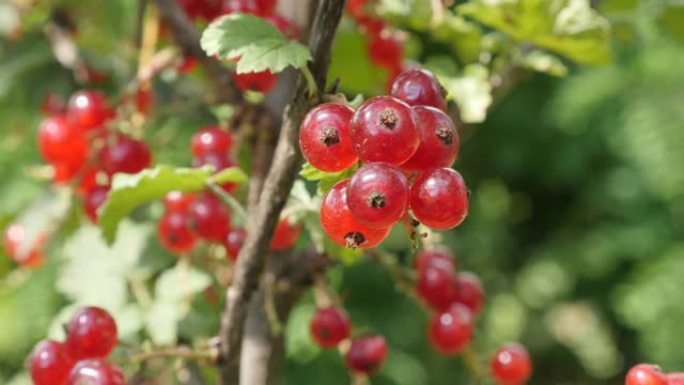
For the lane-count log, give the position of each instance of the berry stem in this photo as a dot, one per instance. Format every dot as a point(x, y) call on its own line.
point(311, 86)
point(239, 212)
point(404, 278)
point(473, 363)
point(274, 322)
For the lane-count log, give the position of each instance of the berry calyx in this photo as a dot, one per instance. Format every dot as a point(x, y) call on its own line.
point(377, 195)
point(175, 233)
point(125, 155)
point(438, 256)
point(439, 198)
point(419, 87)
point(209, 218)
point(366, 354)
point(285, 235)
point(50, 363)
point(96, 372)
point(511, 365)
point(330, 326)
point(89, 109)
point(324, 137)
point(450, 331)
point(436, 286)
point(439, 141)
point(91, 333)
point(93, 199)
point(645, 374)
point(234, 240)
point(255, 81)
point(211, 140)
point(469, 291)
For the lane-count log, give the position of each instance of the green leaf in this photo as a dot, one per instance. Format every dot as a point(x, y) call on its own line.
point(325, 179)
point(181, 283)
point(161, 322)
point(255, 43)
point(543, 62)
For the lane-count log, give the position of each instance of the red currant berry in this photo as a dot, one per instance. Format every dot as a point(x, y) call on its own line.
point(178, 201)
point(96, 372)
point(438, 256)
point(125, 155)
point(377, 195)
point(511, 365)
point(91, 333)
point(24, 255)
point(341, 225)
point(385, 129)
point(211, 139)
point(645, 374)
point(419, 87)
point(436, 286)
point(439, 198)
point(219, 161)
point(285, 235)
point(450, 331)
point(366, 354)
point(255, 81)
point(265, 7)
point(286, 26)
point(53, 104)
point(234, 240)
point(192, 8)
point(209, 218)
point(675, 379)
point(385, 49)
point(330, 326)
point(324, 137)
point(89, 109)
point(50, 363)
point(469, 291)
point(93, 199)
point(373, 26)
point(174, 232)
point(61, 141)
point(439, 142)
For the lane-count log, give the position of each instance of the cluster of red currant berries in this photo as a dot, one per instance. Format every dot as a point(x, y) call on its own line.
point(91, 335)
point(647, 374)
point(407, 144)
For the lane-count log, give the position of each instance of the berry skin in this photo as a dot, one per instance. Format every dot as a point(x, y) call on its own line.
point(255, 81)
point(175, 233)
point(285, 235)
point(469, 291)
point(324, 137)
point(511, 365)
point(377, 195)
point(91, 333)
point(15, 235)
point(341, 225)
point(645, 374)
point(177, 201)
point(366, 354)
point(210, 139)
point(330, 326)
point(50, 363)
point(439, 198)
point(385, 129)
point(60, 141)
point(88, 109)
point(125, 155)
point(419, 87)
point(209, 218)
point(450, 331)
point(234, 240)
point(96, 372)
point(436, 285)
point(93, 199)
point(438, 256)
point(675, 379)
point(385, 49)
point(439, 141)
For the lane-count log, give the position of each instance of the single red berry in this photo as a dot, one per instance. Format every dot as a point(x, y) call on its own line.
point(255, 81)
point(341, 225)
point(93, 199)
point(675, 379)
point(211, 139)
point(451, 330)
point(469, 291)
point(211, 9)
point(178, 201)
point(385, 129)
point(436, 286)
point(96, 372)
point(175, 233)
point(419, 87)
point(234, 240)
point(89, 109)
point(60, 141)
point(285, 235)
point(438, 256)
point(645, 374)
point(330, 326)
point(377, 195)
point(511, 365)
point(287, 27)
point(91, 333)
point(209, 218)
point(439, 141)
point(125, 155)
point(25, 255)
point(439, 198)
point(324, 137)
point(385, 49)
point(53, 104)
point(50, 363)
point(366, 353)
point(219, 161)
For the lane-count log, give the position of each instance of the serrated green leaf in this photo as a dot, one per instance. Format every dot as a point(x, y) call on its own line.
point(325, 179)
point(255, 43)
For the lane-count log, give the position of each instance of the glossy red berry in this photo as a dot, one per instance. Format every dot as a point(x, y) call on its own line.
point(451, 330)
point(366, 353)
point(324, 137)
point(436, 286)
point(61, 141)
point(219, 161)
point(287, 27)
point(24, 255)
point(91, 333)
point(330, 326)
point(385, 129)
point(234, 240)
point(439, 141)
point(511, 365)
point(178, 201)
point(675, 379)
point(96, 372)
point(209, 218)
point(285, 235)
point(50, 363)
point(439, 198)
point(211, 139)
point(89, 109)
point(93, 199)
point(255, 81)
point(645, 374)
point(419, 87)
point(438, 256)
point(377, 195)
point(469, 291)
point(385, 49)
point(125, 155)
point(341, 225)
point(175, 233)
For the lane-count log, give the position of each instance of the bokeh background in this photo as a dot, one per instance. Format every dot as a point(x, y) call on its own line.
point(576, 225)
